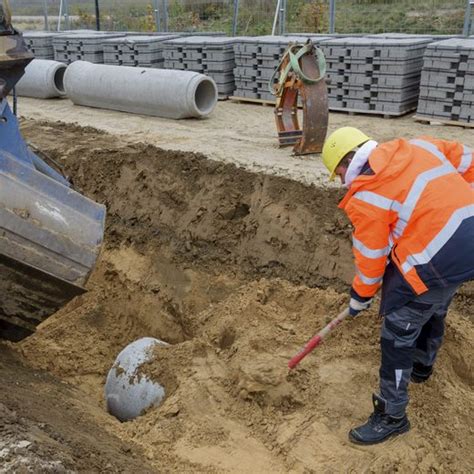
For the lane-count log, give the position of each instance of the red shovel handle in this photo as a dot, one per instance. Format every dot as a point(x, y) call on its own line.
point(316, 340)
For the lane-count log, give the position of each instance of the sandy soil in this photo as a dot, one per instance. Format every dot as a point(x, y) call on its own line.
point(236, 133)
point(235, 270)
point(49, 427)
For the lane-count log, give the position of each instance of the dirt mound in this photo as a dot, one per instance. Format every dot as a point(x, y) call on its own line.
point(230, 384)
point(47, 426)
point(207, 211)
point(223, 264)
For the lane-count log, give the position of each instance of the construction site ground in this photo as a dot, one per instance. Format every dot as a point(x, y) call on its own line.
point(235, 253)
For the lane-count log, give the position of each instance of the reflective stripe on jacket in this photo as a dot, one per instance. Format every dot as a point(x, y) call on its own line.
point(417, 208)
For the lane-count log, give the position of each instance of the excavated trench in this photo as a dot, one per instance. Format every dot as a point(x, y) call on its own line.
point(236, 271)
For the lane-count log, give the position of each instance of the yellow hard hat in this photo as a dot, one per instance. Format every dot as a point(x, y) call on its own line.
point(339, 144)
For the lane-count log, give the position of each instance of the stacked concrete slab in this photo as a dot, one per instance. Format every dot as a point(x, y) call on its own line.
point(40, 43)
point(256, 59)
point(191, 33)
point(81, 46)
point(447, 81)
point(394, 36)
point(374, 74)
point(144, 51)
point(213, 56)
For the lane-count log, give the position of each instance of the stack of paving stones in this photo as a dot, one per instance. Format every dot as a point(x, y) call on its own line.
point(326, 35)
point(408, 36)
point(142, 50)
point(40, 43)
point(371, 74)
point(256, 59)
point(447, 81)
point(81, 47)
point(190, 33)
point(213, 56)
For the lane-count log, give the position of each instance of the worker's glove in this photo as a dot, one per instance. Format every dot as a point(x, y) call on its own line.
point(356, 306)
point(358, 303)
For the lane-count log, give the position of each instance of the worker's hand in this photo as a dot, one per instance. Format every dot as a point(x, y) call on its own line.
point(356, 306)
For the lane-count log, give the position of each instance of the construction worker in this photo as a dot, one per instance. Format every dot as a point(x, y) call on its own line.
point(411, 203)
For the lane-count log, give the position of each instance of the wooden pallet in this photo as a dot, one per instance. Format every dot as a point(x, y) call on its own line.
point(437, 121)
point(378, 113)
point(248, 100)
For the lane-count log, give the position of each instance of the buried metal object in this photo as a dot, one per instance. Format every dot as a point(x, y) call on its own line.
point(128, 393)
point(302, 73)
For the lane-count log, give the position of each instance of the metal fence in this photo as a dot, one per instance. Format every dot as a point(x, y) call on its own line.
point(252, 17)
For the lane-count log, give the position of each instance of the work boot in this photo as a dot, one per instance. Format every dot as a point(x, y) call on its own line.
point(421, 373)
point(379, 426)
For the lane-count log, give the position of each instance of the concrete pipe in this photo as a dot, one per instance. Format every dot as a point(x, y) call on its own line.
point(129, 393)
point(43, 79)
point(157, 92)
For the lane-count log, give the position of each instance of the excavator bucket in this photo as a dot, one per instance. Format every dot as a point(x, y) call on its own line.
point(302, 78)
point(50, 236)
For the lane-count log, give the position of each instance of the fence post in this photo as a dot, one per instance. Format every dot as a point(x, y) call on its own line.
point(165, 15)
point(97, 15)
point(66, 15)
point(332, 16)
point(275, 19)
point(282, 17)
point(60, 15)
point(235, 19)
point(467, 18)
point(156, 13)
point(45, 10)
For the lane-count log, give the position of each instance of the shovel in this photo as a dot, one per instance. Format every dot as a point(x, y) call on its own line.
point(317, 339)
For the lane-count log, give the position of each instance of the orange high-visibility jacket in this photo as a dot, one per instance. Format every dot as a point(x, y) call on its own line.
point(413, 205)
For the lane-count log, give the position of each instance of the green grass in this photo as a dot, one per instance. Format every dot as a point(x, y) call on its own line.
point(256, 16)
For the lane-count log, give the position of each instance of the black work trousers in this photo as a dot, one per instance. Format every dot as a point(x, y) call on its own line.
point(413, 333)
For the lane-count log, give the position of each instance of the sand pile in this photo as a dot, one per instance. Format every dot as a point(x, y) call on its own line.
point(230, 393)
point(233, 405)
point(237, 271)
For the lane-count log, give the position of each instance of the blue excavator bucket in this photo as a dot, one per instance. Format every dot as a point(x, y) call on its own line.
point(50, 235)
